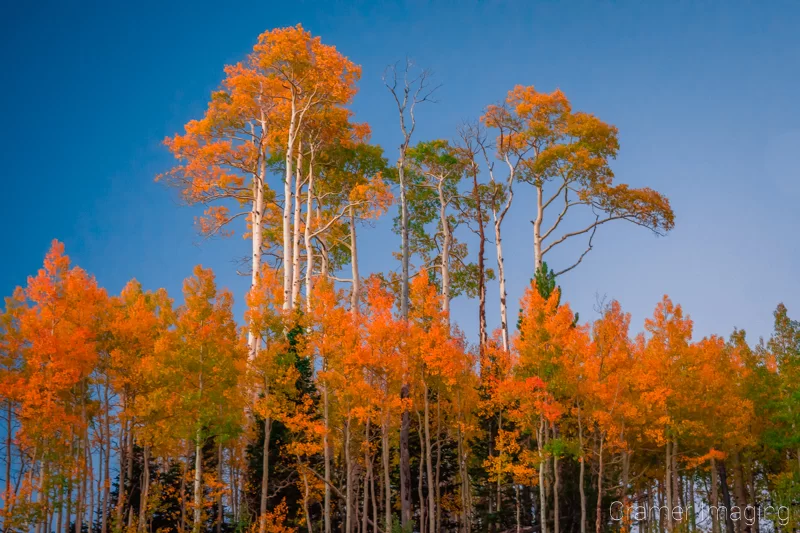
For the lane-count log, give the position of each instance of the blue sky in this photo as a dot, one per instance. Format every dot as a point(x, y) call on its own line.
point(704, 95)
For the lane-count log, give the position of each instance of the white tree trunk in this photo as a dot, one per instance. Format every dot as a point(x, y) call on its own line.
point(348, 467)
point(287, 211)
point(429, 467)
point(327, 453)
point(537, 230)
point(446, 238)
point(366, 477)
point(542, 491)
point(714, 497)
point(501, 278)
point(257, 213)
point(556, 487)
point(307, 235)
point(599, 510)
point(298, 186)
point(355, 295)
point(145, 490)
point(198, 482)
point(387, 489)
point(668, 485)
point(582, 474)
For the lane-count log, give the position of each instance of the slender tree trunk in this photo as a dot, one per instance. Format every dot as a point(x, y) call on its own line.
point(106, 460)
point(677, 493)
point(501, 278)
point(582, 474)
point(690, 508)
point(198, 462)
point(327, 455)
point(89, 460)
point(324, 253)
point(446, 238)
point(68, 510)
point(184, 474)
point(368, 466)
point(59, 507)
point(9, 440)
point(497, 487)
point(753, 494)
point(256, 219)
point(437, 480)
point(738, 486)
point(651, 500)
point(668, 484)
point(498, 216)
point(307, 234)
point(348, 467)
point(429, 465)
point(537, 230)
point(423, 509)
point(556, 487)
point(726, 497)
point(374, 499)
point(714, 497)
point(600, 465)
point(262, 523)
point(232, 472)
point(198, 482)
point(355, 295)
point(387, 490)
point(626, 467)
point(542, 491)
point(405, 462)
point(405, 457)
point(129, 456)
point(298, 188)
point(220, 502)
point(405, 252)
point(306, 495)
point(288, 253)
point(44, 496)
point(122, 469)
point(482, 336)
point(463, 475)
point(145, 489)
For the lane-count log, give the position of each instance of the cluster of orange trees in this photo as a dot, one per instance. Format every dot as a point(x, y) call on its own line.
point(353, 403)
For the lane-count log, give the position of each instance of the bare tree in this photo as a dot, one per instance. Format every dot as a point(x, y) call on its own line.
point(408, 90)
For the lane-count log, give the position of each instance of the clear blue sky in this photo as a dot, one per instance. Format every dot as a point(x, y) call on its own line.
point(704, 95)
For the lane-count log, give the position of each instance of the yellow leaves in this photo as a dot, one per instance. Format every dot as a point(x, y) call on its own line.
point(290, 77)
point(430, 345)
point(60, 319)
point(644, 206)
point(511, 460)
point(304, 66)
point(264, 312)
point(275, 520)
point(214, 220)
point(307, 429)
point(373, 197)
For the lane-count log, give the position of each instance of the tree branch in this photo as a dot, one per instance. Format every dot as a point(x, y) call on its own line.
point(578, 262)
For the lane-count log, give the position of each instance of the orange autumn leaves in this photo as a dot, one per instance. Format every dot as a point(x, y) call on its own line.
point(63, 306)
point(175, 372)
point(290, 79)
point(642, 390)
